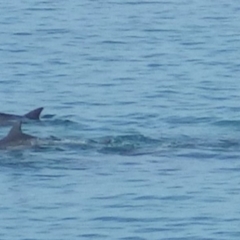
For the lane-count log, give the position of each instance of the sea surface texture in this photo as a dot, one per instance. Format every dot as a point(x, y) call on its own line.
point(139, 138)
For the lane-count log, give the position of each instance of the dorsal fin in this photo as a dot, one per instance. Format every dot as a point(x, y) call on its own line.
point(34, 114)
point(16, 130)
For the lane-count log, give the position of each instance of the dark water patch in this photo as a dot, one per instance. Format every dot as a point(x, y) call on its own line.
point(124, 79)
point(115, 197)
point(153, 230)
point(155, 65)
point(22, 34)
point(176, 198)
point(227, 123)
point(124, 206)
point(127, 219)
point(142, 3)
point(218, 18)
point(155, 55)
point(43, 9)
point(188, 238)
point(227, 144)
point(18, 51)
point(121, 150)
point(202, 220)
point(113, 42)
point(54, 31)
point(20, 74)
point(13, 161)
point(228, 234)
point(187, 120)
point(133, 238)
point(147, 198)
point(198, 155)
point(92, 236)
point(159, 30)
point(58, 61)
point(139, 180)
point(192, 43)
point(229, 170)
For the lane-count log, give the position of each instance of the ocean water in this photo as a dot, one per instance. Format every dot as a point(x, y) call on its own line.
point(140, 133)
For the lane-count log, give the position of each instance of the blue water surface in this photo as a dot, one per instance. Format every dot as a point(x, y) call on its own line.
point(140, 133)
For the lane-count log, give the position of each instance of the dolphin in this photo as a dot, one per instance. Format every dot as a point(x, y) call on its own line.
point(16, 137)
point(33, 115)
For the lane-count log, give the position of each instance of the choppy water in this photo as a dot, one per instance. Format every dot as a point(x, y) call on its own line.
point(141, 122)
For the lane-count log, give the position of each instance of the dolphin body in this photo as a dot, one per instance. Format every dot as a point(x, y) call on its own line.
point(16, 137)
point(6, 118)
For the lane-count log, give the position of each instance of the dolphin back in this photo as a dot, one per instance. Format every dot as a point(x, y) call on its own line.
point(34, 114)
point(15, 136)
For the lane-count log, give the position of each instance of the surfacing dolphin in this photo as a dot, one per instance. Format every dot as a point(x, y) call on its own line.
point(5, 118)
point(16, 137)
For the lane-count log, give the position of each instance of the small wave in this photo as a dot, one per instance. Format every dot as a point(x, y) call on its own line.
point(122, 145)
point(130, 139)
point(48, 116)
point(228, 123)
point(50, 120)
point(125, 144)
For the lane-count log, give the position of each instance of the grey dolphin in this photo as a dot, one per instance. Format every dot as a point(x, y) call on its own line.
point(33, 115)
point(16, 137)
